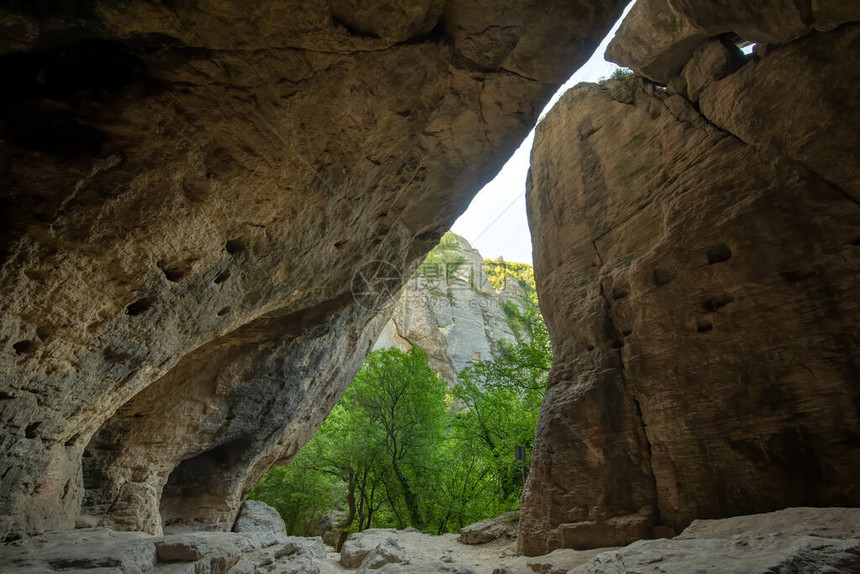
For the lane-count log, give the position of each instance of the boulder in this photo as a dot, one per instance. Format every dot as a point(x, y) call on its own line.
point(257, 516)
point(658, 37)
point(491, 529)
point(696, 268)
point(191, 553)
point(712, 60)
point(360, 544)
point(833, 523)
point(790, 540)
point(386, 552)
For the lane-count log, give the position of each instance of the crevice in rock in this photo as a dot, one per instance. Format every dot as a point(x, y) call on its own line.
point(717, 301)
point(223, 276)
point(23, 347)
point(140, 306)
point(719, 254)
point(770, 150)
point(631, 390)
point(704, 326)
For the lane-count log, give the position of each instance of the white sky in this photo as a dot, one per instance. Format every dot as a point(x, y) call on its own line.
point(495, 223)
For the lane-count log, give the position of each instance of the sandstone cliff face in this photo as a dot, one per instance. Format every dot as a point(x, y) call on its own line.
point(454, 315)
point(188, 190)
point(697, 261)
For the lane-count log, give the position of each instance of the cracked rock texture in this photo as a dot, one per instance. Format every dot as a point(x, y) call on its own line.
point(187, 190)
point(659, 36)
point(803, 540)
point(259, 544)
point(697, 267)
point(457, 317)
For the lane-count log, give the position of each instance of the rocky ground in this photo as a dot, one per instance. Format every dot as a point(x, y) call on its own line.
point(795, 540)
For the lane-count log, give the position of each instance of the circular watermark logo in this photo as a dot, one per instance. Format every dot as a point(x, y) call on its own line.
point(376, 284)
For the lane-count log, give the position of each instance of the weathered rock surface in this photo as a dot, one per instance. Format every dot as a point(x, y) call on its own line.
point(774, 542)
point(503, 526)
point(188, 190)
point(658, 37)
point(359, 545)
point(433, 567)
point(697, 270)
point(411, 551)
point(455, 315)
point(835, 523)
point(386, 552)
point(556, 562)
point(802, 540)
point(257, 516)
point(263, 548)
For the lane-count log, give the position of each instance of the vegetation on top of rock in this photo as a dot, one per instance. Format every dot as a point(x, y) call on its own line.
point(498, 269)
point(617, 75)
point(443, 260)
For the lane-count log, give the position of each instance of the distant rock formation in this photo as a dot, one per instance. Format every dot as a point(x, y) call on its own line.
point(452, 311)
point(697, 251)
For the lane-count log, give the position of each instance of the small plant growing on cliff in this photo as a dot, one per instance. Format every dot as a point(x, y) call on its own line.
point(619, 75)
point(443, 260)
point(620, 86)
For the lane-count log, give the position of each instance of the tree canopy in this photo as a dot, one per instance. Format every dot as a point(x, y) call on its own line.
point(402, 449)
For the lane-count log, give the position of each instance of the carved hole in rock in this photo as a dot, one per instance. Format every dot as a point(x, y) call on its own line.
point(223, 276)
point(616, 344)
point(620, 292)
point(718, 301)
point(30, 431)
point(23, 347)
point(234, 246)
point(140, 306)
point(719, 253)
point(171, 273)
point(223, 311)
point(589, 347)
point(662, 277)
point(627, 332)
point(704, 325)
point(72, 441)
point(340, 244)
point(796, 275)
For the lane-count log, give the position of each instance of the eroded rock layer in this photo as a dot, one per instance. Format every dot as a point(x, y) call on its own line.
point(697, 260)
point(453, 312)
point(188, 190)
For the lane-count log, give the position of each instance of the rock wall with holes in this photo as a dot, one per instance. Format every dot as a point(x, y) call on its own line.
point(697, 255)
point(187, 190)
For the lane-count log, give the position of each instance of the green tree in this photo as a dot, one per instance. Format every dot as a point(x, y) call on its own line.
point(392, 453)
point(406, 399)
point(502, 399)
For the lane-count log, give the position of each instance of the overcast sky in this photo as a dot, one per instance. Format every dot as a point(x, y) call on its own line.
point(495, 223)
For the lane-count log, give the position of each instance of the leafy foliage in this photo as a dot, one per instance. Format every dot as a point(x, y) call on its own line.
point(399, 450)
point(498, 270)
point(443, 260)
point(621, 74)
